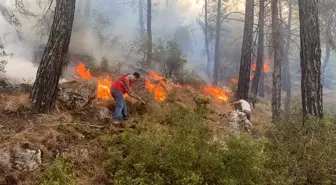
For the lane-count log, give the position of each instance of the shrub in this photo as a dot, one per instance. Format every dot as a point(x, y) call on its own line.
point(59, 172)
point(180, 150)
point(302, 153)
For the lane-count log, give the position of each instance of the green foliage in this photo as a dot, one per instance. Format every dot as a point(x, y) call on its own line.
point(170, 58)
point(302, 153)
point(244, 160)
point(201, 105)
point(59, 172)
point(179, 149)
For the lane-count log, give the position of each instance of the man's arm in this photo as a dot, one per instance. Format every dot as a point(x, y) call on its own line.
point(126, 82)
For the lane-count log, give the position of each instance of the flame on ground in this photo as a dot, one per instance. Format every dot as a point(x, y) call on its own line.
point(103, 84)
point(156, 85)
point(82, 72)
point(177, 85)
point(216, 93)
point(103, 88)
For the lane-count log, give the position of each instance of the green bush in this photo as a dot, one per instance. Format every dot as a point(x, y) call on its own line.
point(59, 172)
point(180, 150)
point(302, 153)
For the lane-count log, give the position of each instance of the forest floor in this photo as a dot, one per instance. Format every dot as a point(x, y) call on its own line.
point(78, 134)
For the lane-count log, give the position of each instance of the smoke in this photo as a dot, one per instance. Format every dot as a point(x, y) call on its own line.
point(106, 31)
point(19, 65)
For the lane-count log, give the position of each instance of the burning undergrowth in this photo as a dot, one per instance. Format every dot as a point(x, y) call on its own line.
point(88, 94)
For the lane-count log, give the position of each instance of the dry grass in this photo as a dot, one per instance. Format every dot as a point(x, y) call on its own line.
point(13, 103)
point(64, 129)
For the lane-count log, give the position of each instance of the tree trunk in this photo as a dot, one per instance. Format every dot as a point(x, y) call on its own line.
point(206, 37)
point(325, 62)
point(246, 54)
point(260, 54)
point(141, 19)
point(286, 70)
point(44, 91)
point(149, 33)
point(262, 84)
point(218, 25)
point(276, 90)
point(311, 86)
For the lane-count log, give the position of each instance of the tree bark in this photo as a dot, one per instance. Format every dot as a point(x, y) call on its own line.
point(206, 25)
point(218, 25)
point(149, 34)
point(44, 91)
point(325, 62)
point(260, 54)
point(262, 84)
point(276, 90)
point(311, 86)
point(246, 54)
point(141, 19)
point(286, 70)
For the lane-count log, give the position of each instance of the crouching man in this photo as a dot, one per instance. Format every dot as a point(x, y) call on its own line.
point(246, 108)
point(118, 89)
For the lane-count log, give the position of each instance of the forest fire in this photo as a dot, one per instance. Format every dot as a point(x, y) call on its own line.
point(103, 84)
point(266, 67)
point(216, 93)
point(156, 85)
point(103, 88)
point(234, 80)
point(82, 72)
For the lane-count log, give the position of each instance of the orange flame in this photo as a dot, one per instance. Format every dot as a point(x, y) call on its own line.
point(177, 85)
point(103, 84)
point(103, 88)
point(216, 93)
point(266, 67)
point(156, 85)
point(82, 71)
point(234, 80)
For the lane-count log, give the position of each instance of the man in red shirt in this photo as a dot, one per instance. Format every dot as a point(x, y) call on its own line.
point(118, 89)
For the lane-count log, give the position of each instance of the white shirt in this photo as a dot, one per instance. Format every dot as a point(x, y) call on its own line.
point(245, 105)
point(130, 77)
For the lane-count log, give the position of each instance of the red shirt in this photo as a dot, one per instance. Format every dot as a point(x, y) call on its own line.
point(119, 84)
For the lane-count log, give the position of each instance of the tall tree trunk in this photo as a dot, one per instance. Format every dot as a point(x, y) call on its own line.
point(286, 70)
point(218, 25)
point(149, 33)
point(206, 25)
point(246, 54)
point(311, 86)
point(141, 19)
point(325, 62)
point(260, 54)
point(44, 91)
point(262, 84)
point(276, 90)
